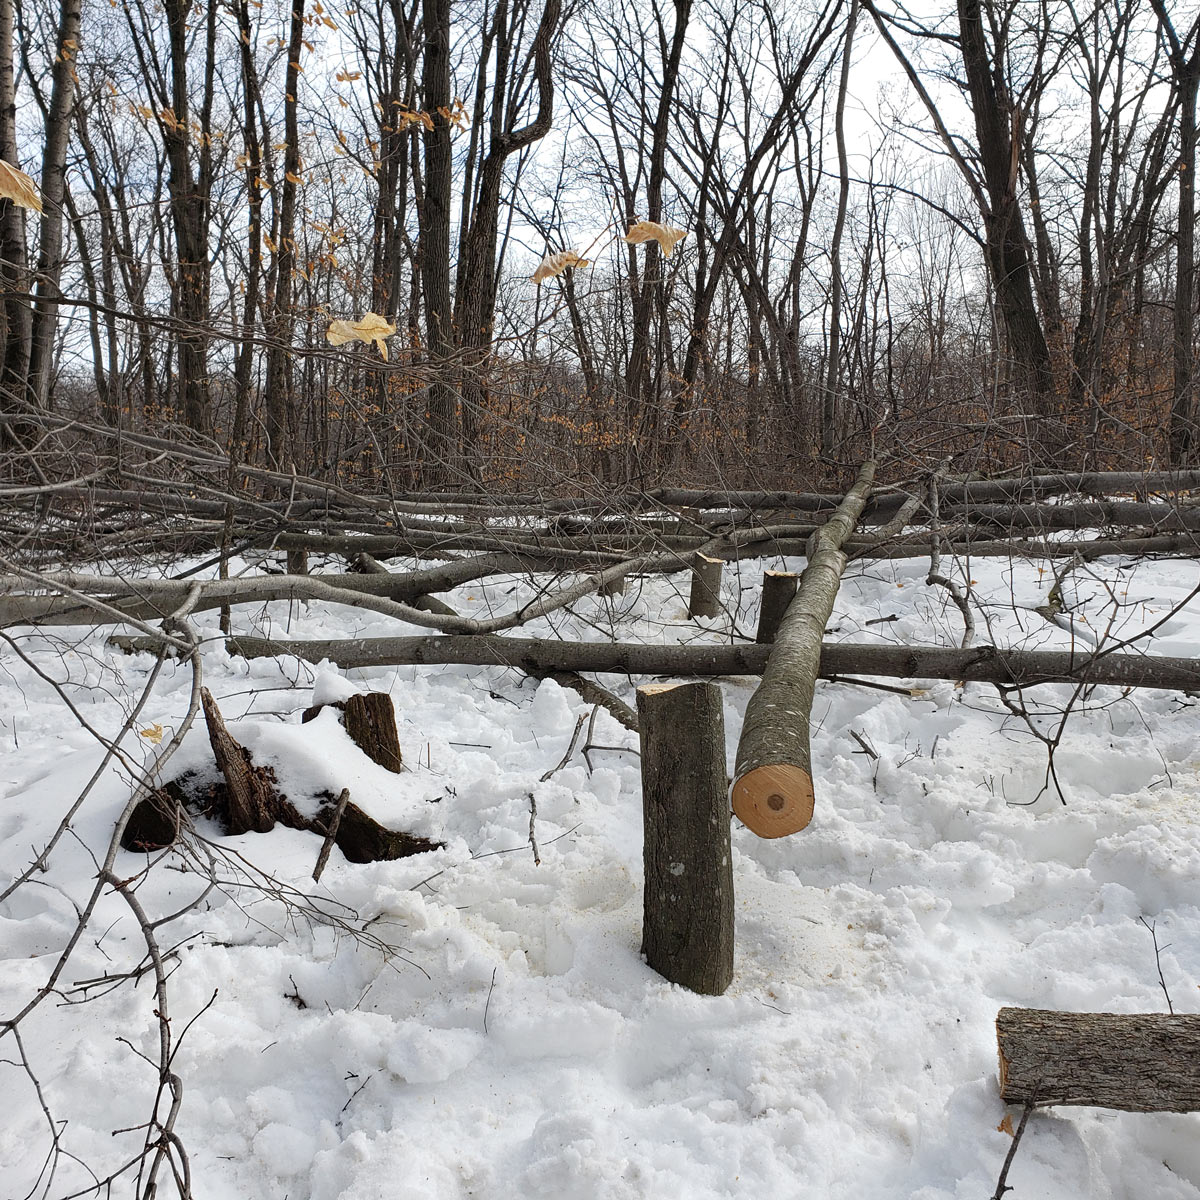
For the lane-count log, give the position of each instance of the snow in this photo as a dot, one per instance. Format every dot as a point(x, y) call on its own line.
point(466, 1023)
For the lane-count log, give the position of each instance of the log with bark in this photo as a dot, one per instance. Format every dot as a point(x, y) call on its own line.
point(772, 780)
point(838, 660)
point(1142, 1062)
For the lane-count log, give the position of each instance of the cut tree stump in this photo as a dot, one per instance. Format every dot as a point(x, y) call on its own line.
point(705, 599)
point(773, 788)
point(1145, 1062)
point(687, 929)
point(370, 720)
point(778, 589)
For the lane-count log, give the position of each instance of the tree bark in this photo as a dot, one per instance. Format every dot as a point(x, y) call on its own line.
point(979, 664)
point(54, 180)
point(705, 597)
point(1145, 1062)
point(687, 930)
point(370, 721)
point(773, 788)
point(778, 590)
point(253, 799)
point(14, 261)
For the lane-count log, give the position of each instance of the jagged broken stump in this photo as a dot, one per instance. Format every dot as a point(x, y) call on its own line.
point(247, 796)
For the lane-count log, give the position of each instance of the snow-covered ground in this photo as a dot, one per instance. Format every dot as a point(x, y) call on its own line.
point(466, 1023)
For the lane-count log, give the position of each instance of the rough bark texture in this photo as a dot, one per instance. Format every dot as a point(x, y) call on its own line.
point(772, 789)
point(705, 599)
point(370, 721)
point(687, 932)
point(253, 799)
point(779, 587)
point(980, 664)
point(371, 724)
point(248, 799)
point(1147, 1062)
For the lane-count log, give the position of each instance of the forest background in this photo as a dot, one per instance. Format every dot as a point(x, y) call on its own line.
point(963, 235)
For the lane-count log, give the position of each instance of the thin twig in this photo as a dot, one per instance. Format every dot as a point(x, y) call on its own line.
point(327, 844)
point(1001, 1185)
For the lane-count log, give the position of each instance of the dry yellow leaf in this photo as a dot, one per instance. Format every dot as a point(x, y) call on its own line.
point(372, 328)
point(665, 235)
point(556, 264)
point(16, 186)
point(292, 178)
point(152, 733)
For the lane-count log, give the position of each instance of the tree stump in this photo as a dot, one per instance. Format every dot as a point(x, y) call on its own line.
point(248, 799)
point(370, 720)
point(777, 591)
point(705, 599)
point(687, 929)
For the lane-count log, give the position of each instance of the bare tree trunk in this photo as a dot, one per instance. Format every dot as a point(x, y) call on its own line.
point(833, 368)
point(280, 407)
point(54, 171)
point(14, 263)
point(999, 132)
point(442, 441)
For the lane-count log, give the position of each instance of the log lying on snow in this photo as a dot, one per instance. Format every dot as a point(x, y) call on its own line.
point(1145, 1062)
point(839, 660)
point(772, 780)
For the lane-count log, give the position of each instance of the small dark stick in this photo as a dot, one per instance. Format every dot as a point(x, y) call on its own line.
point(537, 857)
point(1001, 1185)
point(327, 844)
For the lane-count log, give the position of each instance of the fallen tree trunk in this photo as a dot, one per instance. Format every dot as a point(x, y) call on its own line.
point(839, 660)
point(772, 780)
point(1145, 1062)
point(1095, 514)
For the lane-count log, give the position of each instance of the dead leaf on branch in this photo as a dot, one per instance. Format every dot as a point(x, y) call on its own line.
point(372, 328)
point(16, 186)
point(555, 264)
point(651, 231)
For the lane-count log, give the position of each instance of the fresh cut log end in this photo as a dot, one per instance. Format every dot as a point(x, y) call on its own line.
point(775, 800)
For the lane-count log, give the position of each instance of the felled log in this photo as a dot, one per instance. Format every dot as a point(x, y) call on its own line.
point(687, 926)
point(1145, 1062)
point(1094, 514)
point(978, 664)
point(772, 780)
